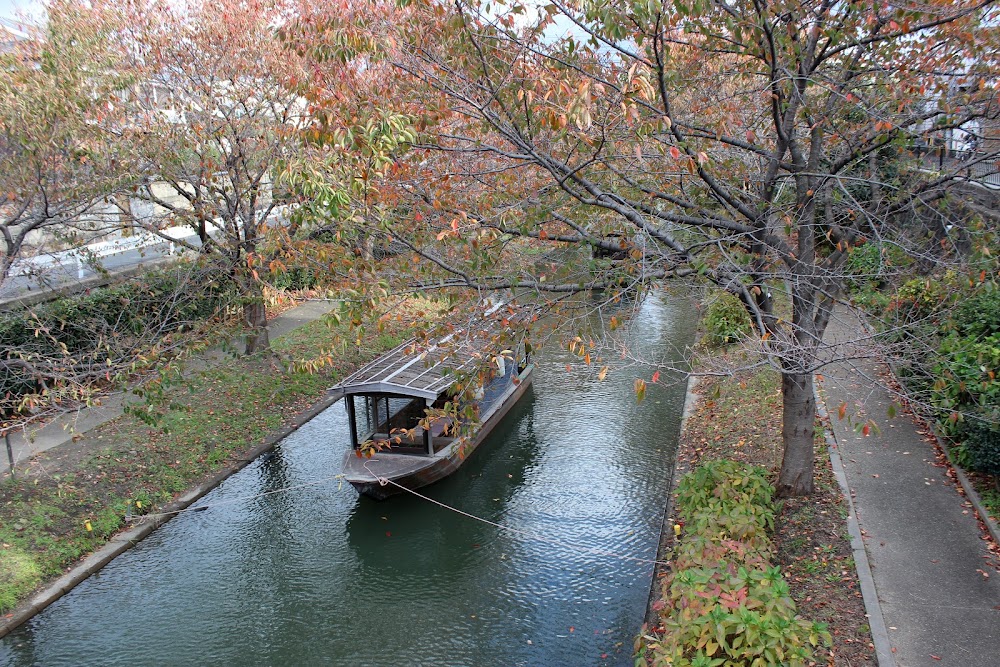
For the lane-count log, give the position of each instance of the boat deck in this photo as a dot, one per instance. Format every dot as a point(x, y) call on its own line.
point(384, 464)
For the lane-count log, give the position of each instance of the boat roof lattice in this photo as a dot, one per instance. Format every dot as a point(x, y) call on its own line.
point(414, 370)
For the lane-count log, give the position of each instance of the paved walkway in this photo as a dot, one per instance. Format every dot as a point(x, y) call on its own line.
point(63, 429)
point(936, 581)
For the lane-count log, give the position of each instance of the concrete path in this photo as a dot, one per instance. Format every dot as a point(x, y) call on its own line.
point(936, 581)
point(37, 439)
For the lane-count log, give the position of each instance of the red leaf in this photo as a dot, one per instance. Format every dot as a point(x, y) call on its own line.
point(674, 153)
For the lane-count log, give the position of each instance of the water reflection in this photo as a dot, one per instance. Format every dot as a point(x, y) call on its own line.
point(402, 533)
point(317, 575)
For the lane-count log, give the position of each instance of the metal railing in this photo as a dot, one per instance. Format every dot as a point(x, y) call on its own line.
point(84, 256)
point(975, 166)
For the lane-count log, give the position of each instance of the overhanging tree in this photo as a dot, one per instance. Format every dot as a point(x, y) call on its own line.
point(752, 144)
point(59, 98)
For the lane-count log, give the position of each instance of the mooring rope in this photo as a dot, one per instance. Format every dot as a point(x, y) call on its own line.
point(383, 481)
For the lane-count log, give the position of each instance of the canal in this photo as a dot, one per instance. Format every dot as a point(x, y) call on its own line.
point(288, 567)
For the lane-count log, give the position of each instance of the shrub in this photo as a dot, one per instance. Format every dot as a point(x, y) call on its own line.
point(919, 298)
point(982, 446)
point(871, 265)
point(865, 263)
point(978, 315)
point(105, 323)
point(725, 604)
point(294, 278)
point(871, 300)
point(965, 379)
point(726, 321)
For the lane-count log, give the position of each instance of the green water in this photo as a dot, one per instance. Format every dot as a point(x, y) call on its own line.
point(316, 575)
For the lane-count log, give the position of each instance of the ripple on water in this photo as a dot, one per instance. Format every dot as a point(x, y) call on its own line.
point(318, 576)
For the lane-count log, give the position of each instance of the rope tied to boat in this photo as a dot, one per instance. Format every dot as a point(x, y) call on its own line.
point(383, 481)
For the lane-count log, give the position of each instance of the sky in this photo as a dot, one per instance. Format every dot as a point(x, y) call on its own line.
point(12, 9)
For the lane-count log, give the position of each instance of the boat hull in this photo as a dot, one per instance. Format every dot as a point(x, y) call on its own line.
point(388, 474)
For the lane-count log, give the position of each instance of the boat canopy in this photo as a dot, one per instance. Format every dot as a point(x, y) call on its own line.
point(410, 370)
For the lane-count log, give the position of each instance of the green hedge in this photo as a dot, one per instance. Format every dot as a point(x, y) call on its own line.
point(948, 333)
point(69, 338)
point(980, 449)
point(871, 266)
point(725, 605)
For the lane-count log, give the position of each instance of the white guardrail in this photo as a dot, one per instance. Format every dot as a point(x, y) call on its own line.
point(80, 258)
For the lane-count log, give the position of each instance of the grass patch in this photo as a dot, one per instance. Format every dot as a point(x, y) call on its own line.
point(991, 499)
point(18, 570)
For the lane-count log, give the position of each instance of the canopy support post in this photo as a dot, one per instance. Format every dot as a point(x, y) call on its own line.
point(352, 421)
point(428, 438)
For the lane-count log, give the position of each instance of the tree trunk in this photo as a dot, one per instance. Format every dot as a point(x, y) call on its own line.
point(255, 317)
point(798, 433)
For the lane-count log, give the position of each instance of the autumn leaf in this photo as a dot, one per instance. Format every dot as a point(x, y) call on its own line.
point(640, 389)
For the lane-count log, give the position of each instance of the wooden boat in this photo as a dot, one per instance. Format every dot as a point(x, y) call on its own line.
point(409, 428)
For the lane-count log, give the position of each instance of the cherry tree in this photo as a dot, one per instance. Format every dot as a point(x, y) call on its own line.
point(753, 146)
point(58, 90)
point(210, 121)
point(233, 136)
